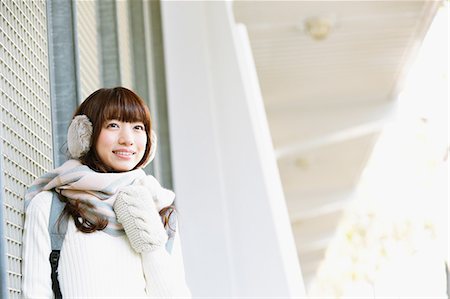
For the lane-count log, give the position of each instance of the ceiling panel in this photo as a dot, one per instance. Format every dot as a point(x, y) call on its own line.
point(364, 52)
point(327, 99)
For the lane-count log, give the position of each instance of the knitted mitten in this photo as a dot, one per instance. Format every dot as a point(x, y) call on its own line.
point(136, 211)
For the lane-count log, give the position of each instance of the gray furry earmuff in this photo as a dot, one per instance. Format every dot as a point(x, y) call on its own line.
point(154, 141)
point(79, 138)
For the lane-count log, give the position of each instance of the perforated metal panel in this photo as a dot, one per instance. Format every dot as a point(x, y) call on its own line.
point(25, 133)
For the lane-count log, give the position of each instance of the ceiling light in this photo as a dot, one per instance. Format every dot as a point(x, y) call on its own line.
point(318, 27)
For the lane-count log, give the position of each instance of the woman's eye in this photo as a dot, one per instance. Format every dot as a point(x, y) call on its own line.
point(139, 127)
point(112, 125)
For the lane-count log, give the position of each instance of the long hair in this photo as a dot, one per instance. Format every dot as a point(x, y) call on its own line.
point(102, 105)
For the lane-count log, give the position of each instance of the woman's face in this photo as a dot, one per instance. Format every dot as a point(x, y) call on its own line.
point(121, 145)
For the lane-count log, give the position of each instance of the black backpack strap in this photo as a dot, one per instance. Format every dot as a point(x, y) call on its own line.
point(57, 231)
point(54, 259)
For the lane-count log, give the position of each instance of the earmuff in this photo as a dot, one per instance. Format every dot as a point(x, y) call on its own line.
point(79, 136)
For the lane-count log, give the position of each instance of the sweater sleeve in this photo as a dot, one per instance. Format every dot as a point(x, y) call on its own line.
point(164, 272)
point(36, 270)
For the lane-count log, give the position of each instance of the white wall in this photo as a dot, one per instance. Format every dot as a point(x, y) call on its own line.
point(235, 230)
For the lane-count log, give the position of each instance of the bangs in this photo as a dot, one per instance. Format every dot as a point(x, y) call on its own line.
point(126, 107)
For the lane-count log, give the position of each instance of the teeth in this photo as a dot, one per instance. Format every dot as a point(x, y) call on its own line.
point(124, 153)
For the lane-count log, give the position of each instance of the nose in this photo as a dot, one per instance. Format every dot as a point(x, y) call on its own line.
point(126, 136)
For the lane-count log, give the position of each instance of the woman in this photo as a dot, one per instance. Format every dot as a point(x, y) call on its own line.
point(120, 221)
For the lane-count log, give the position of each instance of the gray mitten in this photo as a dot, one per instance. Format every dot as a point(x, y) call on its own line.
point(136, 211)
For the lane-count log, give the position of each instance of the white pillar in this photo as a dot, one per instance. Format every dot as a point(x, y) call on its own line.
point(236, 235)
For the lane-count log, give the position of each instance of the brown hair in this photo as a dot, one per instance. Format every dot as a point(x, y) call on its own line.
point(102, 105)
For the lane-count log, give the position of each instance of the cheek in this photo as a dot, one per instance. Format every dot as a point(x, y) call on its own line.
point(142, 141)
point(104, 141)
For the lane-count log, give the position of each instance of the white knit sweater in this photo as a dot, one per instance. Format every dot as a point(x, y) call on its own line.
point(96, 265)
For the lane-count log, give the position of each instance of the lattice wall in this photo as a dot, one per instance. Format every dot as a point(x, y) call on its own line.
point(25, 123)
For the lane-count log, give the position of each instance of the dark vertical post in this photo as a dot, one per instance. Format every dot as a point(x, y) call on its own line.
point(63, 71)
point(109, 44)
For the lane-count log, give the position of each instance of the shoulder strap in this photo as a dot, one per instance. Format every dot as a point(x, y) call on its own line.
point(171, 230)
point(57, 231)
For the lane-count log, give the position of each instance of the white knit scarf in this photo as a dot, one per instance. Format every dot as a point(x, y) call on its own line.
point(76, 181)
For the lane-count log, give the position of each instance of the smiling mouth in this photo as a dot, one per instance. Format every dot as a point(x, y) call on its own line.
point(123, 153)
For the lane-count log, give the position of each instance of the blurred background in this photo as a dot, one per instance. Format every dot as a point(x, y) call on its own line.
point(307, 141)
point(356, 95)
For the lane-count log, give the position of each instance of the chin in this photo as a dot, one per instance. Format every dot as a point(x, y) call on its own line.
point(123, 168)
